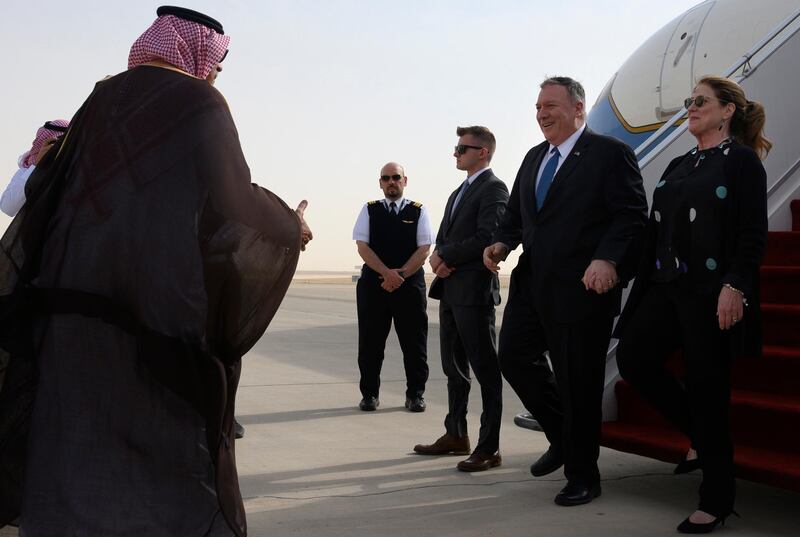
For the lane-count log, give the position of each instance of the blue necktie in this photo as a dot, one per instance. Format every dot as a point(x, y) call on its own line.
point(547, 178)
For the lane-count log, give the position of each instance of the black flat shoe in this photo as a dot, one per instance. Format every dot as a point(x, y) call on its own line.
point(688, 526)
point(686, 466)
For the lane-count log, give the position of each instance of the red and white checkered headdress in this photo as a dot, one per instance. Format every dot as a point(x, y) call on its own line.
point(51, 129)
point(188, 45)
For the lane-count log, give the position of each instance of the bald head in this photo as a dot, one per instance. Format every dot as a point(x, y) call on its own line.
point(391, 168)
point(392, 180)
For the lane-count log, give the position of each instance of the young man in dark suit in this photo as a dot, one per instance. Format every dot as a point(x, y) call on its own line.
point(468, 294)
point(577, 207)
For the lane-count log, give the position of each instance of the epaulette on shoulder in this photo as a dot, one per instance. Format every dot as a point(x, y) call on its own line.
point(416, 204)
point(373, 202)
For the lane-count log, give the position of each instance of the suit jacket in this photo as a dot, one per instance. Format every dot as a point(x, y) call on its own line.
point(462, 238)
point(595, 209)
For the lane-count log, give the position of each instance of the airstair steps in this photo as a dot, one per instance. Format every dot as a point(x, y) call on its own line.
point(779, 469)
point(765, 391)
point(753, 417)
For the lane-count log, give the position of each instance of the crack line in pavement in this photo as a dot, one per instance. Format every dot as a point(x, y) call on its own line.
point(422, 487)
point(313, 383)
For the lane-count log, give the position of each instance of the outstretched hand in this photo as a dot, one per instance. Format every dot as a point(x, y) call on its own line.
point(305, 231)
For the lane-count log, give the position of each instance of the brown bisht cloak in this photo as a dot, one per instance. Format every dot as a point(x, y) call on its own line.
point(143, 251)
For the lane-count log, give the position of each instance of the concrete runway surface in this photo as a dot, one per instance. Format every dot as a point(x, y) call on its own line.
point(312, 464)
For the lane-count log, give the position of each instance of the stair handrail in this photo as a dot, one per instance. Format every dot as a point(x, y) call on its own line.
point(744, 60)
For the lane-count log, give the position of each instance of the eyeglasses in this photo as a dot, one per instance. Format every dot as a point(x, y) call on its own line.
point(461, 149)
point(224, 56)
point(699, 101)
point(387, 178)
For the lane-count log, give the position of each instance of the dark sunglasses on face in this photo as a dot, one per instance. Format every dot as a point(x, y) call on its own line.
point(699, 101)
point(395, 177)
point(461, 149)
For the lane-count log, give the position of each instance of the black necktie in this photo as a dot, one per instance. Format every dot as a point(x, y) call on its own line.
point(393, 208)
point(460, 195)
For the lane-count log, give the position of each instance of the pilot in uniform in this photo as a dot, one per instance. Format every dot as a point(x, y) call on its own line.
point(393, 236)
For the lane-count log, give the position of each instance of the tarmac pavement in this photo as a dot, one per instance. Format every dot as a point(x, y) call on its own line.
point(313, 464)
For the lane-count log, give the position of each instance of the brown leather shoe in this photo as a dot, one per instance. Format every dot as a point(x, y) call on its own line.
point(478, 462)
point(445, 445)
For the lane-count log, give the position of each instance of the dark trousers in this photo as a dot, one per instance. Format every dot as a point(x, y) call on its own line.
point(377, 308)
point(670, 317)
point(468, 339)
point(567, 400)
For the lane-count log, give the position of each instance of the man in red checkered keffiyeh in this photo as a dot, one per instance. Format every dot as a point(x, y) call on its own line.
point(143, 266)
point(13, 197)
point(50, 130)
point(191, 46)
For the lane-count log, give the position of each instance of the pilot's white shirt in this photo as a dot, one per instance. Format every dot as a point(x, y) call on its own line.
point(424, 235)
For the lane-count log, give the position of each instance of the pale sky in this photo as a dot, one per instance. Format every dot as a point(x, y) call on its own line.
point(324, 92)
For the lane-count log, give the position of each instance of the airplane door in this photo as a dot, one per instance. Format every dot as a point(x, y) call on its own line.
point(677, 71)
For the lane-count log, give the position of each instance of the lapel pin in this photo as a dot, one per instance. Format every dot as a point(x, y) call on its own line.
point(577, 153)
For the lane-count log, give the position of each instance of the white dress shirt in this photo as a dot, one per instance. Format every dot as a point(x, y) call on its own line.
point(564, 150)
point(424, 235)
point(475, 175)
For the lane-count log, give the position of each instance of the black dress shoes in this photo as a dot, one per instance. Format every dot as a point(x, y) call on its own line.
point(368, 404)
point(686, 466)
point(238, 429)
point(417, 404)
point(577, 493)
point(548, 463)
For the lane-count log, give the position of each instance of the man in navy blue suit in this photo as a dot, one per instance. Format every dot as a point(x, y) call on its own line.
point(577, 207)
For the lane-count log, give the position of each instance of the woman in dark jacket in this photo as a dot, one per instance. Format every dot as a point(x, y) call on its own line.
point(697, 285)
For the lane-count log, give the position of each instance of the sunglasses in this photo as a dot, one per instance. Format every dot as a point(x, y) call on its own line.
point(699, 101)
point(461, 149)
point(387, 178)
